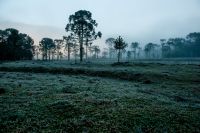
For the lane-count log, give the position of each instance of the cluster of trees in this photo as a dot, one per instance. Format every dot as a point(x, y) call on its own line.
point(15, 45)
point(80, 35)
point(54, 49)
point(81, 32)
point(175, 47)
point(181, 47)
point(171, 48)
point(118, 47)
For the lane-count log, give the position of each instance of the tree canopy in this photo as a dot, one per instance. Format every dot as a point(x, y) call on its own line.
point(120, 44)
point(15, 45)
point(83, 26)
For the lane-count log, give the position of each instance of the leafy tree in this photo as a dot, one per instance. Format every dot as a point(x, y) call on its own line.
point(134, 46)
point(119, 45)
point(25, 51)
point(15, 45)
point(193, 44)
point(110, 42)
point(46, 44)
point(150, 50)
point(177, 47)
point(83, 26)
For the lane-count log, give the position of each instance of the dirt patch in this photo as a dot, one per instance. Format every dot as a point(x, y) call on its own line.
point(179, 99)
point(2, 90)
point(147, 82)
point(69, 89)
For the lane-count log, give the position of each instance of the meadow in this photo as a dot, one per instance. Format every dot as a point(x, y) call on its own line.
point(57, 96)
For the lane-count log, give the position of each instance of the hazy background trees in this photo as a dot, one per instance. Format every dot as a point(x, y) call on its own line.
point(134, 46)
point(111, 42)
point(81, 33)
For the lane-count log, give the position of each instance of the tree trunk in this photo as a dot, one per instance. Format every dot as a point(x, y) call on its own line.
point(81, 45)
point(86, 52)
point(49, 55)
point(81, 52)
point(57, 54)
point(118, 55)
point(68, 52)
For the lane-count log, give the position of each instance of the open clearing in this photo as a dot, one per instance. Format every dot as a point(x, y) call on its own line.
point(59, 97)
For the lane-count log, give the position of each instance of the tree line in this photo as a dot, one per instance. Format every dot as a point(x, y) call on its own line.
point(15, 45)
point(78, 42)
point(168, 48)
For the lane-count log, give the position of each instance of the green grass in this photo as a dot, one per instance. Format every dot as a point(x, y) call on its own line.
point(99, 98)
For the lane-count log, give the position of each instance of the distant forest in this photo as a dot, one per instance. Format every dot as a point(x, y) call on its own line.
point(78, 44)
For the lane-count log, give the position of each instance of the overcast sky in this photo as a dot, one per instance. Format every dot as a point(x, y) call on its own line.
point(136, 20)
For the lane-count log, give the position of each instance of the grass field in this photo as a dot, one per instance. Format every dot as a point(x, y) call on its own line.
point(38, 96)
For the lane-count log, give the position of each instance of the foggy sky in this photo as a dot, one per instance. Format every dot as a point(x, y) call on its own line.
point(136, 20)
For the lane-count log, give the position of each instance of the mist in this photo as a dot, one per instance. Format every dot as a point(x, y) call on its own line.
point(142, 21)
point(106, 66)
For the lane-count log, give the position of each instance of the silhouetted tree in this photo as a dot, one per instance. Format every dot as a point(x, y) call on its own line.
point(46, 44)
point(15, 45)
point(83, 26)
point(177, 47)
point(193, 44)
point(119, 45)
